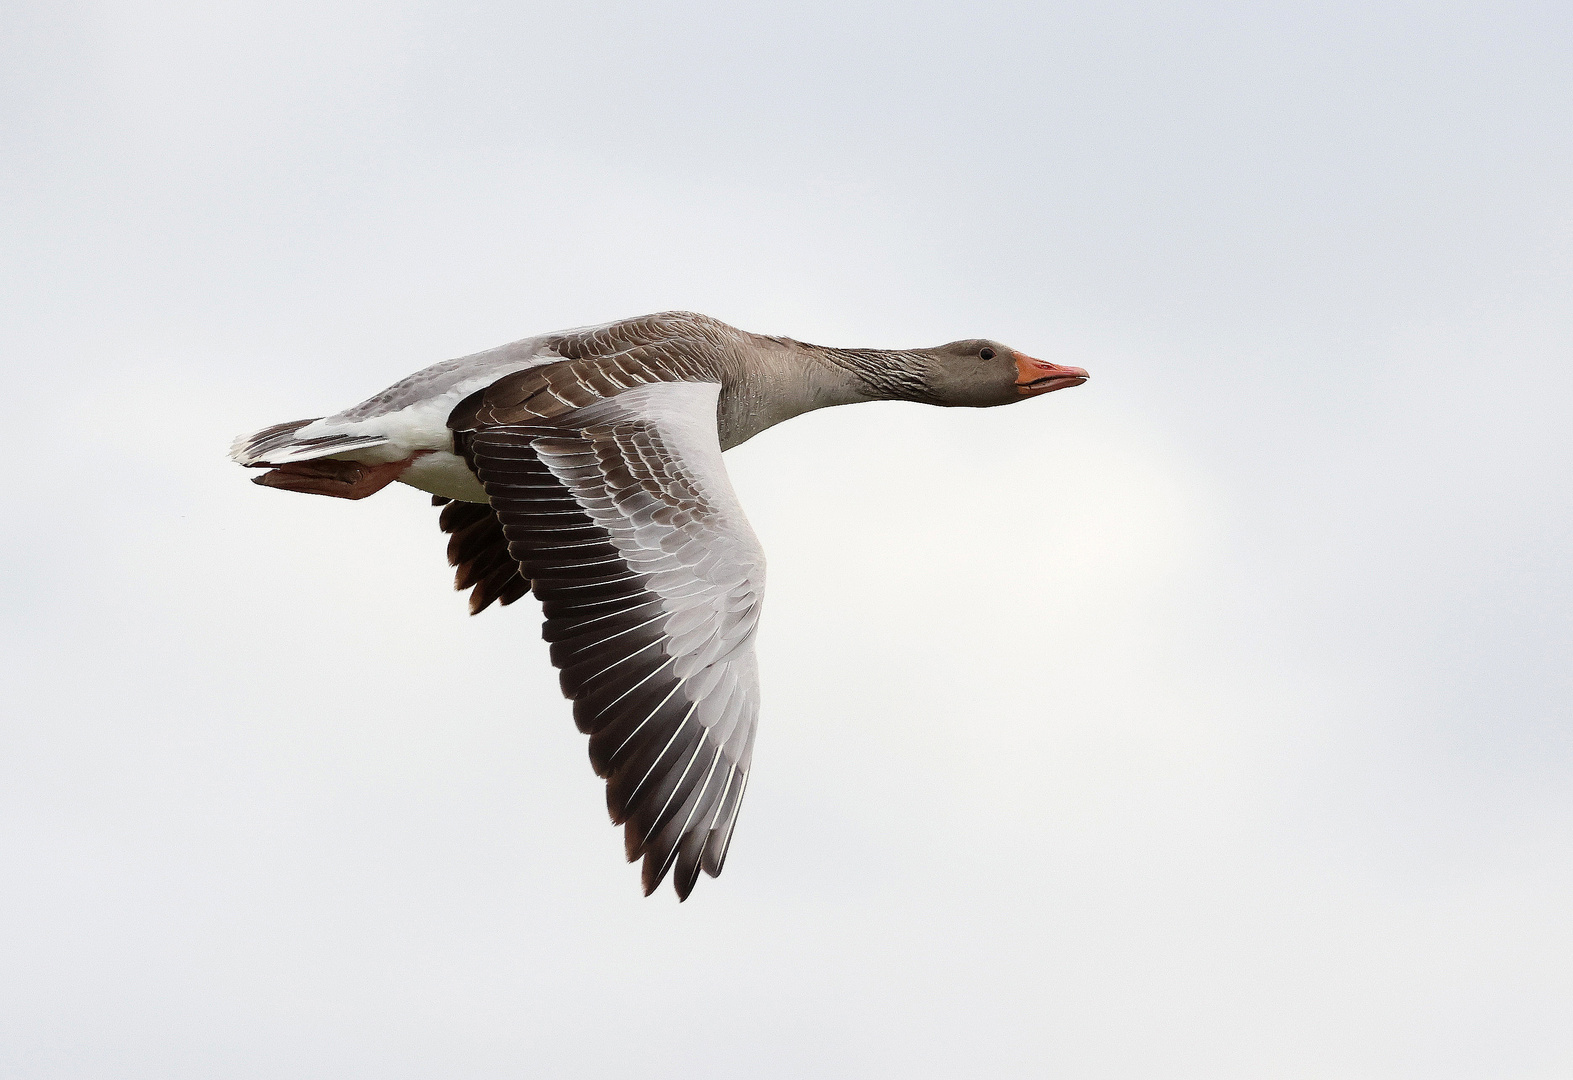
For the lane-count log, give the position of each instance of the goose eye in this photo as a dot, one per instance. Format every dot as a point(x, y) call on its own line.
point(987, 354)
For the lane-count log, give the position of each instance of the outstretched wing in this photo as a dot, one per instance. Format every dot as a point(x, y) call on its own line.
point(620, 515)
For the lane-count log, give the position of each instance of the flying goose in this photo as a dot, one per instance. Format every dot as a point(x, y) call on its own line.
point(585, 466)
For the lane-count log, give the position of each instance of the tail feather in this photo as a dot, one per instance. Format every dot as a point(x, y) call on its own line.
point(277, 445)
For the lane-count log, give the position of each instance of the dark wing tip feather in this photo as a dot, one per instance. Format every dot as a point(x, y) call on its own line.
point(478, 552)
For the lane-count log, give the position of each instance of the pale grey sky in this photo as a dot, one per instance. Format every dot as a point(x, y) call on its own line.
point(1207, 721)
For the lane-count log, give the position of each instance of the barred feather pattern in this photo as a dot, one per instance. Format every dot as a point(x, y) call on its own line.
point(602, 363)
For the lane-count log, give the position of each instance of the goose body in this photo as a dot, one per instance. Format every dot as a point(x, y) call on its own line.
point(585, 466)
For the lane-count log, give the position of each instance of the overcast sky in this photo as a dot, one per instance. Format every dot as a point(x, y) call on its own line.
point(1211, 720)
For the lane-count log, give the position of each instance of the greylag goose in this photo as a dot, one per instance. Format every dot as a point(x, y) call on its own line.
point(585, 467)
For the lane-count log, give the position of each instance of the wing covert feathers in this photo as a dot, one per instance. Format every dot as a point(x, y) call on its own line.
point(620, 516)
point(601, 363)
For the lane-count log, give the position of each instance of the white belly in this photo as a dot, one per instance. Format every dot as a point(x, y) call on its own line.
point(444, 473)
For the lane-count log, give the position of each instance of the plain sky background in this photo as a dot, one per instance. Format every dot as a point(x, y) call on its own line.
point(1209, 721)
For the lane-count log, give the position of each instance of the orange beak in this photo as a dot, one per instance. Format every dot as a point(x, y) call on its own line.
point(1034, 377)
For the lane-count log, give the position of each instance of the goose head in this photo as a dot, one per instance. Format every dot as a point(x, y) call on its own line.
point(979, 373)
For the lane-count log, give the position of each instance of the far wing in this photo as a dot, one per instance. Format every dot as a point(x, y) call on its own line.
point(621, 516)
point(478, 552)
